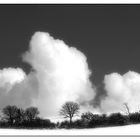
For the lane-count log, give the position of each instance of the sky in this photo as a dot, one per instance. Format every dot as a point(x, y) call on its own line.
point(107, 35)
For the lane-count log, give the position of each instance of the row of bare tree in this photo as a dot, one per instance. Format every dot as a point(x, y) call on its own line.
point(15, 115)
point(29, 118)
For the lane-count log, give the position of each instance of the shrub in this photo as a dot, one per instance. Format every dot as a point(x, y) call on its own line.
point(134, 117)
point(98, 120)
point(117, 119)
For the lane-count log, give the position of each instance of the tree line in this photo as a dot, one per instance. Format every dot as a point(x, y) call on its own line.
point(14, 117)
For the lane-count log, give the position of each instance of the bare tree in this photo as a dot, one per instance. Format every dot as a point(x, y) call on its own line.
point(87, 116)
point(20, 116)
point(69, 110)
point(127, 109)
point(31, 113)
point(10, 113)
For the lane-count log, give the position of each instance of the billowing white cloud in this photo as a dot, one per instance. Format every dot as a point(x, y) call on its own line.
point(11, 76)
point(16, 88)
point(121, 89)
point(62, 73)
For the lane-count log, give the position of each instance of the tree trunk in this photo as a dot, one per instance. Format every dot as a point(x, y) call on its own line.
point(11, 121)
point(70, 121)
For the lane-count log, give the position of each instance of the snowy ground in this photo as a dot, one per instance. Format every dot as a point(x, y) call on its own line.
point(121, 130)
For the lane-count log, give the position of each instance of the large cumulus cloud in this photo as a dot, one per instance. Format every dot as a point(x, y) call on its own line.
point(59, 73)
point(121, 89)
point(16, 88)
point(62, 73)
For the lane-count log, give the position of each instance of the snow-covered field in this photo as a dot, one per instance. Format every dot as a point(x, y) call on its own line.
point(121, 130)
